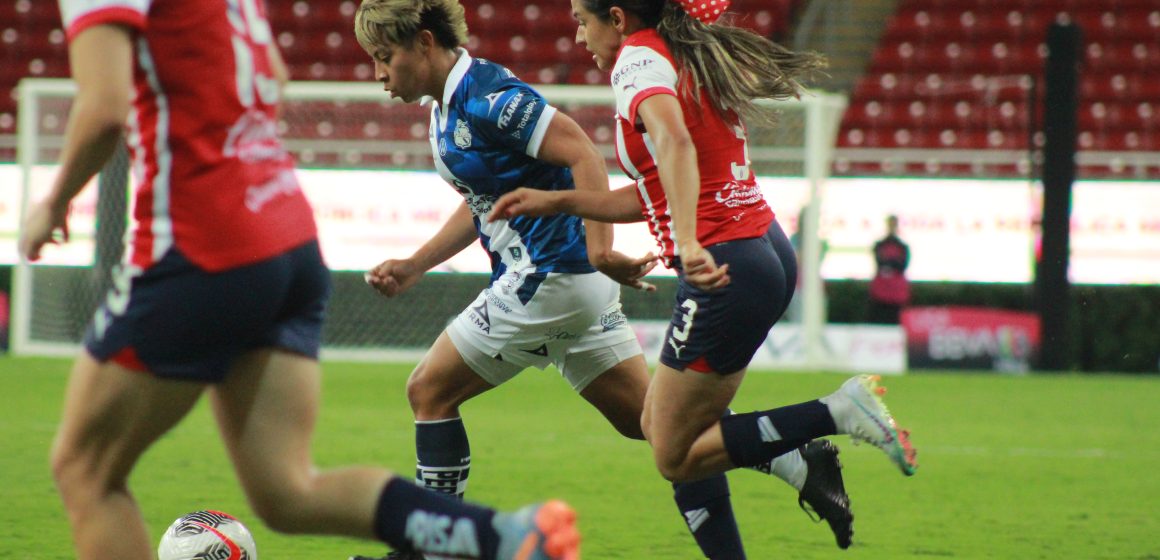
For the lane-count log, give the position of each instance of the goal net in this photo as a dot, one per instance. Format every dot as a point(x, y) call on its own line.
point(366, 165)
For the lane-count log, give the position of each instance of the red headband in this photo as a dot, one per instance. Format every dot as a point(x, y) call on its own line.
point(705, 11)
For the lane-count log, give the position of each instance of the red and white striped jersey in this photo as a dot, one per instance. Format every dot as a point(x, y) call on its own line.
point(212, 176)
point(730, 205)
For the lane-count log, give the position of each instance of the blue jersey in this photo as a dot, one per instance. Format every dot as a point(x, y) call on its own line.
point(485, 134)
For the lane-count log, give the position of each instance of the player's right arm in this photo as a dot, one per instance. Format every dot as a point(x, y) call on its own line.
point(618, 206)
point(101, 60)
point(395, 276)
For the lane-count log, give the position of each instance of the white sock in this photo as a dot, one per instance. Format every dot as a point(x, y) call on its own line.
point(791, 468)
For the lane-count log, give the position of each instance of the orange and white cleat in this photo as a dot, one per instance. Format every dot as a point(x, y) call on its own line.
point(858, 411)
point(538, 532)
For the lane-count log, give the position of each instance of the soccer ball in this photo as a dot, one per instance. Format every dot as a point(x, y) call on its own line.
point(207, 535)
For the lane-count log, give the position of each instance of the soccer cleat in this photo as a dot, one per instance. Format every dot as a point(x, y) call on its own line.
point(858, 410)
point(538, 532)
point(824, 492)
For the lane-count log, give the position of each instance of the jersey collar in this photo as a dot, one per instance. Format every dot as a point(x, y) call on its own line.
point(453, 79)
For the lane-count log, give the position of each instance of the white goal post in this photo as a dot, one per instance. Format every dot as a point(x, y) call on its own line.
point(352, 126)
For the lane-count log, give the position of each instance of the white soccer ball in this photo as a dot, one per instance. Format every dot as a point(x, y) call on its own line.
point(207, 535)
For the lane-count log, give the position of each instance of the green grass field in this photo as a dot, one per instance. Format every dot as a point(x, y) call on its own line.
point(1011, 467)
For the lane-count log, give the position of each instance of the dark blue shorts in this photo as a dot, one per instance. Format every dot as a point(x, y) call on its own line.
point(719, 331)
point(178, 321)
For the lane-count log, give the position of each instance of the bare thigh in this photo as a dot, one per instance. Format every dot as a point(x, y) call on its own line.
point(619, 394)
point(266, 411)
point(682, 411)
point(112, 415)
point(442, 382)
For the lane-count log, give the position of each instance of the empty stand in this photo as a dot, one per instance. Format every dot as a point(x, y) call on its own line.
point(959, 74)
point(963, 74)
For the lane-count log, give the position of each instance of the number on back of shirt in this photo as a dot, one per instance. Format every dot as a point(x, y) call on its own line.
point(251, 30)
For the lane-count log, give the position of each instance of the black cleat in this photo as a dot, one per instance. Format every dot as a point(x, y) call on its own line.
point(824, 492)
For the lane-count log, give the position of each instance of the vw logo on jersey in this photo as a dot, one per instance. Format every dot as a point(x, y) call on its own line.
point(462, 134)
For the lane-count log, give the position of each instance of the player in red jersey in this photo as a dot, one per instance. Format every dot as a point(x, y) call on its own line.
point(223, 291)
point(683, 85)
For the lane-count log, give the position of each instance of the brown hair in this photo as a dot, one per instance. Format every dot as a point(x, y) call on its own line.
point(734, 65)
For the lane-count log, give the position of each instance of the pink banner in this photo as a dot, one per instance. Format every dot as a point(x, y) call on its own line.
point(971, 338)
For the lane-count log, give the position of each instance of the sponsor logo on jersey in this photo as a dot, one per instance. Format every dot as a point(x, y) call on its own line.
point(527, 116)
point(612, 320)
point(479, 204)
point(479, 317)
point(284, 183)
point(442, 534)
point(253, 138)
point(491, 99)
point(734, 194)
point(509, 110)
point(462, 134)
point(496, 302)
point(516, 253)
point(556, 333)
point(442, 147)
point(510, 284)
point(630, 69)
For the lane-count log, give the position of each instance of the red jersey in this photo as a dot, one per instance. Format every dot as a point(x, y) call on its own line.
point(212, 177)
point(730, 205)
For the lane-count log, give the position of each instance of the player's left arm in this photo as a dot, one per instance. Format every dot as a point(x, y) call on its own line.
point(566, 144)
point(676, 158)
point(101, 61)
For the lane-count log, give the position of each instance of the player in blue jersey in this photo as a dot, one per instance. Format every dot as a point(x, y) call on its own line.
point(547, 301)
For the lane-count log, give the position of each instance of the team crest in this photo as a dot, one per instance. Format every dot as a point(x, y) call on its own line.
point(462, 134)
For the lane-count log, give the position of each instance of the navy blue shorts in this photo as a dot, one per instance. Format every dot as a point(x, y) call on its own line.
point(720, 330)
point(178, 321)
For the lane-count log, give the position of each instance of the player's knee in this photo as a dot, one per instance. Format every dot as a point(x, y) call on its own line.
point(279, 521)
point(422, 391)
point(431, 399)
point(645, 424)
point(80, 478)
point(280, 510)
point(671, 471)
point(68, 470)
point(672, 466)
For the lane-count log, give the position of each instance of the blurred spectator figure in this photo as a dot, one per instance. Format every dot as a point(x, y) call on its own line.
point(4, 321)
point(889, 290)
point(794, 312)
